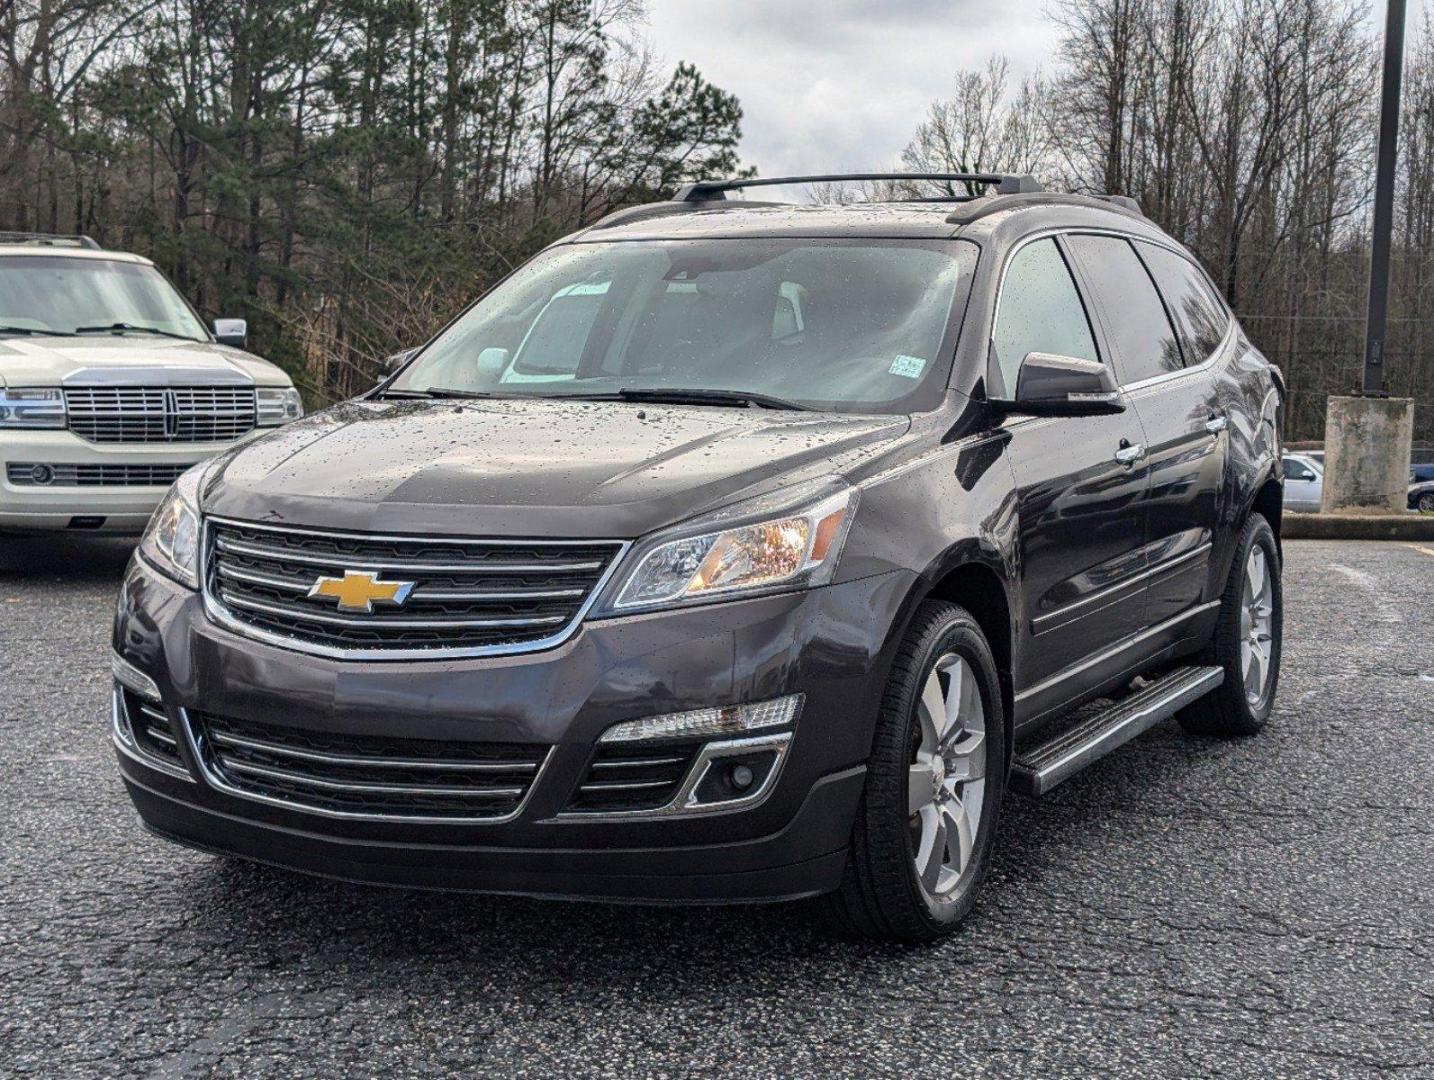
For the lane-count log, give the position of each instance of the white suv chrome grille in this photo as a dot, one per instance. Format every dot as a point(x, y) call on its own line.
point(157, 414)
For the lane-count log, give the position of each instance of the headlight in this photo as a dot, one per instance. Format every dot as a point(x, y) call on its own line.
point(171, 540)
point(776, 552)
point(277, 405)
point(32, 408)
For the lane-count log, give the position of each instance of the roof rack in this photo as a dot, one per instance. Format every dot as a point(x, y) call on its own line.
point(975, 209)
point(716, 190)
point(48, 240)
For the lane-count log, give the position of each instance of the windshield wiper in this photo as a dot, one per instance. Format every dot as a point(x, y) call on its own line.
point(439, 393)
point(29, 331)
point(132, 328)
point(678, 396)
point(742, 399)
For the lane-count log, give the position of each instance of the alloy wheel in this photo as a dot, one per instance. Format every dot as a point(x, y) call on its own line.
point(1256, 623)
point(947, 780)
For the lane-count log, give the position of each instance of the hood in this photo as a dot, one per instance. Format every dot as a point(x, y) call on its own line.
point(529, 468)
point(133, 359)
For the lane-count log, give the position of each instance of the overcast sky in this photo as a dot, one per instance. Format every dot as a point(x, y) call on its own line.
point(830, 85)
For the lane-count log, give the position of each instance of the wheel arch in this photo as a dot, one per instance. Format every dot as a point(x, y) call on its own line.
point(975, 580)
point(1269, 501)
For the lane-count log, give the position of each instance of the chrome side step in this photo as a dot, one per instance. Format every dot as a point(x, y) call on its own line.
point(1039, 768)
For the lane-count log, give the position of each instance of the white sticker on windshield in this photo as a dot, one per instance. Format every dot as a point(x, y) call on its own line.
point(908, 367)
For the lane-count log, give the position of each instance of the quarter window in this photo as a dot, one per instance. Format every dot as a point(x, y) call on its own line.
point(1136, 326)
point(1201, 318)
point(1041, 311)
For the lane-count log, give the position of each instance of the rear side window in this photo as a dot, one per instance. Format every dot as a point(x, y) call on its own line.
point(1041, 311)
point(1201, 318)
point(1131, 312)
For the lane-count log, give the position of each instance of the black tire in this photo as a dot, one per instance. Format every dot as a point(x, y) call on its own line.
point(1229, 711)
point(881, 896)
point(1425, 502)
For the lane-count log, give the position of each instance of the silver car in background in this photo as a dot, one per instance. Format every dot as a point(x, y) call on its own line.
point(1304, 482)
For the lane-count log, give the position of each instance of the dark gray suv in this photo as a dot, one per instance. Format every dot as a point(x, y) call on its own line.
point(726, 551)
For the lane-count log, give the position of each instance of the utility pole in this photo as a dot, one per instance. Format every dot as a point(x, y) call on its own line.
point(1378, 323)
point(1367, 437)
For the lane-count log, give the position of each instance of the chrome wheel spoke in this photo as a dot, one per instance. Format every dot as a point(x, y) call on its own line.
point(969, 753)
point(1255, 673)
point(959, 838)
point(1255, 576)
point(952, 695)
point(931, 853)
point(932, 712)
point(920, 786)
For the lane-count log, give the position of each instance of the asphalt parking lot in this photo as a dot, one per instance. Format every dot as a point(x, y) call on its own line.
point(1186, 907)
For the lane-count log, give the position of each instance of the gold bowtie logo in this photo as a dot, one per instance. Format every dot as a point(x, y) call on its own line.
point(359, 590)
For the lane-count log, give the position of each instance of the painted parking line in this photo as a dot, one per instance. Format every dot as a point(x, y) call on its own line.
point(1425, 550)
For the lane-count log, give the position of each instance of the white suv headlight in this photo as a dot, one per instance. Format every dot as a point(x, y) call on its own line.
point(20, 408)
point(771, 552)
point(277, 405)
point(171, 540)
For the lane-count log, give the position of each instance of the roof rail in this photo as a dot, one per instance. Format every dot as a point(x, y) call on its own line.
point(1125, 202)
point(48, 240)
point(975, 209)
point(710, 190)
point(648, 211)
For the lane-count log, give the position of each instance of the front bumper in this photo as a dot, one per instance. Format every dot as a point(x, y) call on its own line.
point(829, 644)
point(124, 508)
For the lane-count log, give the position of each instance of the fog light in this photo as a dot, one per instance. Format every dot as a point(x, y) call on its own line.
point(42, 474)
point(700, 723)
point(738, 772)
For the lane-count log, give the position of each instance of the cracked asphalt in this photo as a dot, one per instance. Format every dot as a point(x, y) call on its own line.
point(1185, 907)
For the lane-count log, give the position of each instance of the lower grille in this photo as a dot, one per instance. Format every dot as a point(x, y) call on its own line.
point(625, 777)
point(152, 732)
point(367, 775)
point(44, 474)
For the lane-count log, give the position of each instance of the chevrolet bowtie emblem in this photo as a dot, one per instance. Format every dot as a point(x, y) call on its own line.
point(359, 590)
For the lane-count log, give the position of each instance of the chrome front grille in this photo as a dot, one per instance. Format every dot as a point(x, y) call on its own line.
point(150, 414)
point(366, 775)
point(150, 729)
point(445, 595)
point(626, 777)
point(44, 474)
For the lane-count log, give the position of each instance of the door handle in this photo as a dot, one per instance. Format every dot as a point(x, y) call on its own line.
point(1129, 455)
point(1216, 424)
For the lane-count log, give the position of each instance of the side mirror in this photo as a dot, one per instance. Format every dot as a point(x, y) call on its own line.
point(233, 332)
point(493, 362)
point(1306, 474)
point(397, 360)
point(1051, 385)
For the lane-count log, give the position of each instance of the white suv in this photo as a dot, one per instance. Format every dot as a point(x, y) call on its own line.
point(111, 386)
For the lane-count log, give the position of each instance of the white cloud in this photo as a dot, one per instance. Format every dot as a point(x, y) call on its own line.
point(840, 85)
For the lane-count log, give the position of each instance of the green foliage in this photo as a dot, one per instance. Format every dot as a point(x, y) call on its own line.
point(345, 174)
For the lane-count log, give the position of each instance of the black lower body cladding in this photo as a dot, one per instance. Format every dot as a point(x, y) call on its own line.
point(294, 759)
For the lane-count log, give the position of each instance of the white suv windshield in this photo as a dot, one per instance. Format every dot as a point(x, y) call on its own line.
point(47, 294)
point(848, 325)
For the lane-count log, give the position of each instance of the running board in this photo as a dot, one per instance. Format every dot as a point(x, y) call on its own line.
point(1039, 768)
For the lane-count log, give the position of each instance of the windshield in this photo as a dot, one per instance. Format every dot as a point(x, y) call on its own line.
point(46, 294)
point(845, 325)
